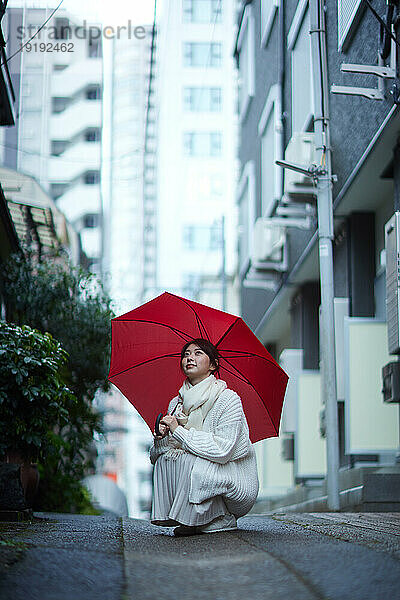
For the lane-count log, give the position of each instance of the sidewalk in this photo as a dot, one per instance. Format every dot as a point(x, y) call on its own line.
point(307, 556)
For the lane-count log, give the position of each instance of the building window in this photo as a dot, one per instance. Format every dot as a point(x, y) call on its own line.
point(93, 92)
point(93, 135)
point(58, 147)
point(202, 11)
point(202, 54)
point(90, 221)
point(268, 11)
point(62, 30)
point(271, 133)
point(216, 185)
point(190, 284)
point(92, 177)
point(201, 237)
point(94, 48)
point(348, 11)
point(247, 215)
point(59, 105)
point(202, 99)
point(58, 189)
point(299, 43)
point(202, 143)
point(245, 48)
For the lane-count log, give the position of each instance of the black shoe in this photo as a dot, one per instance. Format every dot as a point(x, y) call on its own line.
point(183, 530)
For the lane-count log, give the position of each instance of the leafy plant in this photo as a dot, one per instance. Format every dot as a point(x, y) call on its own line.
point(34, 400)
point(69, 303)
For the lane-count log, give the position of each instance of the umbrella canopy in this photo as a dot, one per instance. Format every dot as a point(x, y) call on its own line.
point(145, 359)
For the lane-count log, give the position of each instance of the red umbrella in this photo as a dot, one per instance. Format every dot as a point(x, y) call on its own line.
point(145, 354)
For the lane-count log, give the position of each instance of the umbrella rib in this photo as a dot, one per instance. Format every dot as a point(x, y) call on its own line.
point(145, 362)
point(271, 360)
point(200, 323)
point(181, 334)
point(226, 332)
point(252, 386)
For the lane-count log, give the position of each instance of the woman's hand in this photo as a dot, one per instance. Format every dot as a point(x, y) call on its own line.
point(170, 421)
point(164, 430)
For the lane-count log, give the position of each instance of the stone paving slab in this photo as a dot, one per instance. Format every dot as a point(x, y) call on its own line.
point(66, 557)
point(219, 566)
point(341, 561)
point(379, 531)
point(314, 556)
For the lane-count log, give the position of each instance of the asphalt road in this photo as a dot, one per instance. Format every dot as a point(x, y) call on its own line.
point(301, 556)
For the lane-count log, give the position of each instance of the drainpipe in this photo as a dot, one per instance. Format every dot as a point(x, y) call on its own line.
point(325, 235)
point(281, 83)
point(396, 175)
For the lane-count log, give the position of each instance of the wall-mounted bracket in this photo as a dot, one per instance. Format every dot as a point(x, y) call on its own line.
point(299, 223)
point(296, 211)
point(370, 93)
point(379, 71)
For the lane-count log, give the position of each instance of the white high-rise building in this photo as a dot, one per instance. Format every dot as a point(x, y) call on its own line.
point(127, 68)
point(196, 148)
point(57, 137)
point(126, 84)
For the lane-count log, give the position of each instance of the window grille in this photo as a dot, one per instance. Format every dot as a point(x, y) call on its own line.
point(202, 11)
point(245, 46)
point(302, 84)
point(202, 99)
point(348, 11)
point(202, 54)
point(202, 143)
point(268, 10)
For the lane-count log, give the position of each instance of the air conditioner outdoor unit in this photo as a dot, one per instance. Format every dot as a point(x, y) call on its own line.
point(269, 245)
point(301, 151)
point(392, 244)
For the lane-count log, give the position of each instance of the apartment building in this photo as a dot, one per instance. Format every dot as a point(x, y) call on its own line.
point(196, 148)
point(57, 78)
point(279, 260)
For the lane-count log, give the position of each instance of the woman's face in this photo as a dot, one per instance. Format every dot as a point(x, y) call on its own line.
point(196, 364)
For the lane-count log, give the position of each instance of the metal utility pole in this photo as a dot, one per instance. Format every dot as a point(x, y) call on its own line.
point(326, 234)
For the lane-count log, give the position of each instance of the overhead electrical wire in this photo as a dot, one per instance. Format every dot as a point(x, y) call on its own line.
point(382, 22)
point(33, 36)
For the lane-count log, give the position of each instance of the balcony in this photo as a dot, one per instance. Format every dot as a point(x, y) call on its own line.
point(77, 77)
point(80, 200)
point(75, 119)
point(79, 158)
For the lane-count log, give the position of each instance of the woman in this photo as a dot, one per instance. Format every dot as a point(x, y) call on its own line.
point(205, 473)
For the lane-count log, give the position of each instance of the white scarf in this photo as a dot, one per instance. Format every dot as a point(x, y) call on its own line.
point(196, 402)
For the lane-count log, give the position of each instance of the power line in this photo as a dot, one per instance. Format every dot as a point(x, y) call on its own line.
point(33, 36)
point(68, 160)
point(382, 22)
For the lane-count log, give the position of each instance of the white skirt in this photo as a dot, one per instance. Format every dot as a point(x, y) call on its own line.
point(171, 504)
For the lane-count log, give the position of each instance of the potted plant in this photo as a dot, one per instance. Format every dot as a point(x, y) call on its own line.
point(34, 400)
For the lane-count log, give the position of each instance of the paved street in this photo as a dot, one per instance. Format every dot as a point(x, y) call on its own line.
point(304, 556)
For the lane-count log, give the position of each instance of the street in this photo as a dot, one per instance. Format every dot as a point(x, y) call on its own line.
point(306, 556)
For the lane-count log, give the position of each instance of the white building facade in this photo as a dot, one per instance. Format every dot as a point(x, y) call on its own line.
point(57, 137)
point(196, 148)
point(126, 81)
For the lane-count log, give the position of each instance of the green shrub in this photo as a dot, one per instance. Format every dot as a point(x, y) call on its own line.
point(34, 401)
point(70, 304)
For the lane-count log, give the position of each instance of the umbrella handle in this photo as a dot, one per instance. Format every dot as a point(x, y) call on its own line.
point(156, 426)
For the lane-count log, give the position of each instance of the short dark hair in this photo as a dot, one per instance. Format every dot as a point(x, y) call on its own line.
point(208, 348)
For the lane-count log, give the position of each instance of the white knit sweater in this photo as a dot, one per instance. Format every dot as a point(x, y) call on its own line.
point(226, 463)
